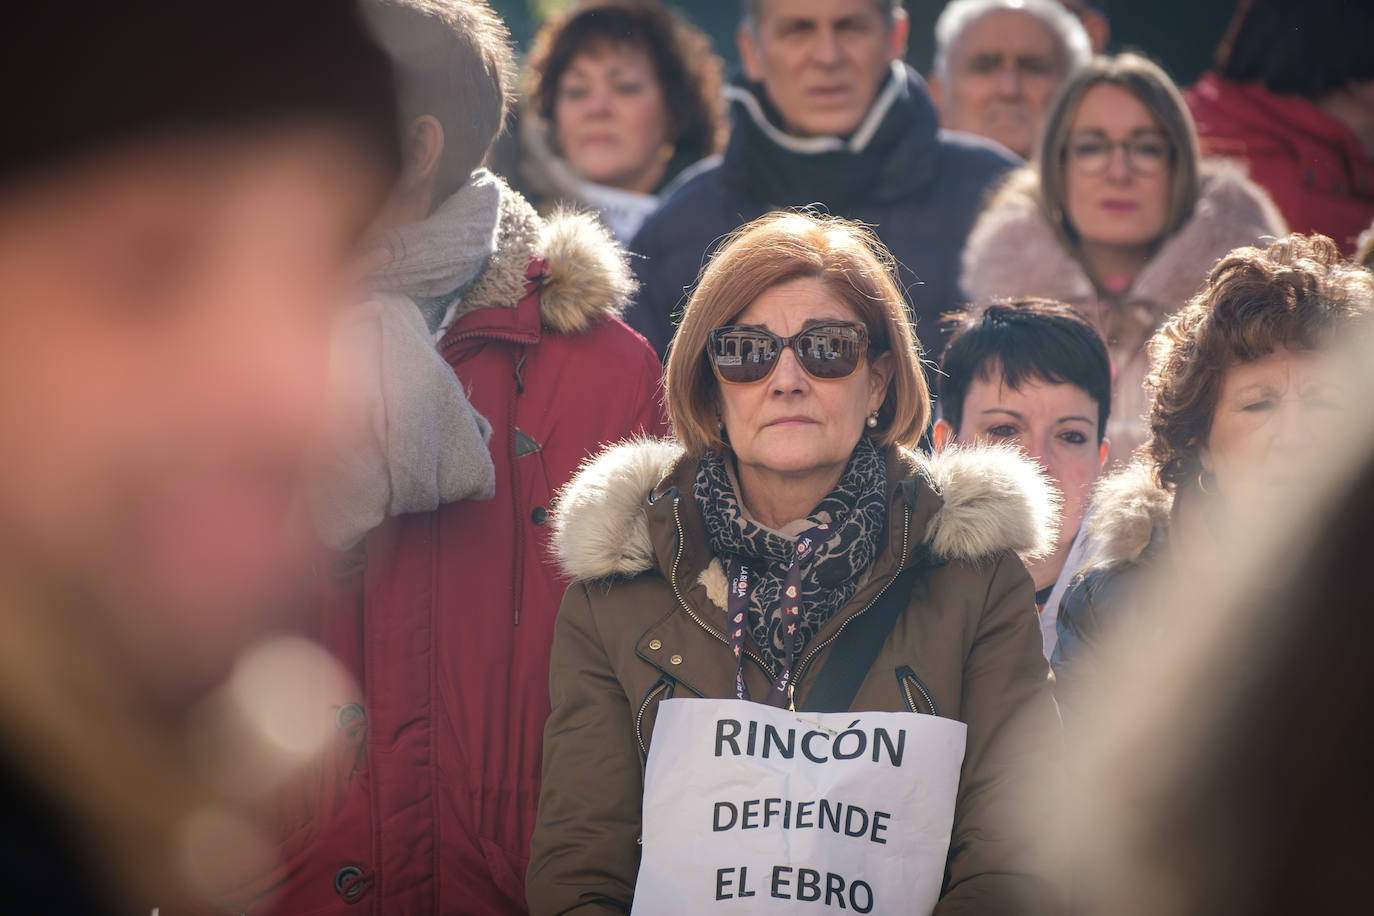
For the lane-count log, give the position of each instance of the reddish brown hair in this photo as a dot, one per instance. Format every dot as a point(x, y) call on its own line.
point(1297, 294)
point(775, 249)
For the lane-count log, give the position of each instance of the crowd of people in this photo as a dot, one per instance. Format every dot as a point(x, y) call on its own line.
point(401, 435)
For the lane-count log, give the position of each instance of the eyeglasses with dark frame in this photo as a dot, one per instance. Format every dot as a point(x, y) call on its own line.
point(828, 350)
point(1146, 155)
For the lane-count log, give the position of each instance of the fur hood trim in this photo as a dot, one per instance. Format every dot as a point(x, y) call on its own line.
point(1127, 507)
point(1014, 251)
point(993, 500)
point(587, 276)
point(599, 525)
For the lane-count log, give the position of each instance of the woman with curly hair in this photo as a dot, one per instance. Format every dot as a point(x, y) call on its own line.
point(622, 98)
point(1242, 387)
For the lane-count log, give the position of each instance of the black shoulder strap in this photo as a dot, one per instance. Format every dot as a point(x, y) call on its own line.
point(857, 646)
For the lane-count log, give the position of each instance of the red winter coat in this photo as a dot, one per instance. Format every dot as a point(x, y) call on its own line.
point(447, 617)
point(1313, 166)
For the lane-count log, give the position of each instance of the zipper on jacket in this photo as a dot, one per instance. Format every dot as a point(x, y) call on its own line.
point(658, 688)
point(811, 653)
point(911, 685)
point(677, 558)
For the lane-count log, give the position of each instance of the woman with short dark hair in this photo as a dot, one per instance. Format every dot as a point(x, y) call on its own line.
point(622, 97)
point(1242, 388)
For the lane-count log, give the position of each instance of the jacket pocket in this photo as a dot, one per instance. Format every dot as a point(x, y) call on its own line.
point(918, 698)
point(662, 690)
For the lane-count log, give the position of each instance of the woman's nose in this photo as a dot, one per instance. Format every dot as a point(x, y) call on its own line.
point(1119, 166)
point(1038, 450)
point(599, 103)
point(789, 377)
point(1292, 422)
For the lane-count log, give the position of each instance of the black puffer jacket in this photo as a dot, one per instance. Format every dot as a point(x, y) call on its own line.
point(919, 186)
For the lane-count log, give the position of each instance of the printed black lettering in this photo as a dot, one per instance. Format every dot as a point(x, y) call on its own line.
point(749, 813)
point(716, 825)
point(806, 746)
point(880, 819)
point(771, 737)
point(867, 906)
point(834, 887)
point(722, 737)
point(835, 813)
point(808, 885)
point(882, 739)
point(744, 883)
point(849, 828)
point(772, 807)
point(753, 738)
point(723, 882)
point(780, 883)
point(804, 809)
point(787, 813)
point(857, 738)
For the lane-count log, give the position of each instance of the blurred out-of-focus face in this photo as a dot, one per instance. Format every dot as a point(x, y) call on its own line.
point(1000, 77)
point(1118, 169)
point(822, 62)
point(1271, 417)
point(1055, 424)
point(611, 118)
point(166, 311)
point(791, 423)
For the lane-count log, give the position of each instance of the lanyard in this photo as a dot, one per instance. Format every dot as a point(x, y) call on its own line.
point(737, 613)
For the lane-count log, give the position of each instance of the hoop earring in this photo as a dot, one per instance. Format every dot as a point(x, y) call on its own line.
point(872, 421)
point(1202, 486)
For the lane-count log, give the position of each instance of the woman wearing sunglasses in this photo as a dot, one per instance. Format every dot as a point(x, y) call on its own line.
point(730, 563)
point(1118, 216)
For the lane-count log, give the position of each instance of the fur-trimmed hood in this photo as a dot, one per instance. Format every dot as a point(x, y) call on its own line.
point(586, 275)
point(1127, 508)
point(1014, 251)
point(993, 500)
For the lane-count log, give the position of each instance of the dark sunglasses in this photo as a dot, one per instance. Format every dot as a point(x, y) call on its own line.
point(832, 350)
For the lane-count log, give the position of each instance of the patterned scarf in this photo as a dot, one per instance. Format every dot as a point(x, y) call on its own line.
point(857, 511)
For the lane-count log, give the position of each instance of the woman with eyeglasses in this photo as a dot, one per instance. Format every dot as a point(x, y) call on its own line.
point(731, 562)
point(1118, 216)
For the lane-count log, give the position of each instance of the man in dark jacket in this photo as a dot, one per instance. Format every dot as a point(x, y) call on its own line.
point(828, 115)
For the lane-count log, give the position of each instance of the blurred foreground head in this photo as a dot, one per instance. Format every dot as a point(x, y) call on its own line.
point(180, 194)
point(1224, 766)
point(176, 217)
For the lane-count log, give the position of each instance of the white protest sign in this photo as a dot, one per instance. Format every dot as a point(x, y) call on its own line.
point(752, 809)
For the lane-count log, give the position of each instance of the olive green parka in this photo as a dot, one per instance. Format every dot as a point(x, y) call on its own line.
point(644, 621)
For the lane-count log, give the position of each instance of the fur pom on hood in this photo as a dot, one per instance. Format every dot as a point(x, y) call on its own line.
point(1127, 508)
point(993, 500)
point(1014, 251)
point(587, 276)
